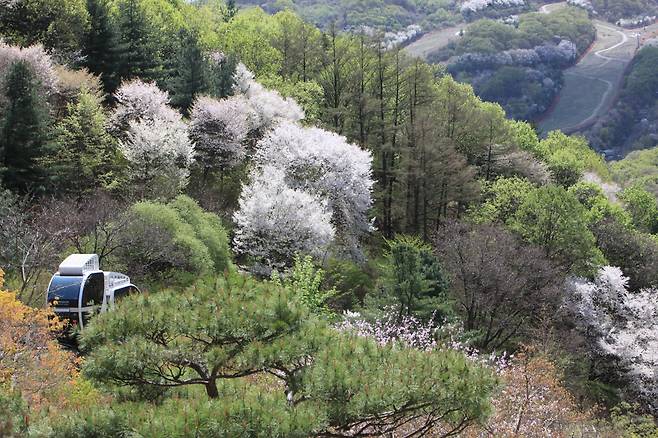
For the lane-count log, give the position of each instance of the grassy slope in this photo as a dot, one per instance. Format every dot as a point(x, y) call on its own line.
point(591, 86)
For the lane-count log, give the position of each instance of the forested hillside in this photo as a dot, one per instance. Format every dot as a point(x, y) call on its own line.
point(629, 13)
point(632, 123)
point(331, 239)
point(519, 64)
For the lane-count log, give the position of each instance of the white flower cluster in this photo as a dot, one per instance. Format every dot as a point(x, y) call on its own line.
point(326, 165)
point(140, 100)
point(335, 178)
point(414, 333)
point(622, 326)
point(41, 63)
point(269, 107)
point(585, 4)
point(636, 21)
point(275, 221)
point(153, 136)
point(564, 53)
point(472, 6)
point(394, 39)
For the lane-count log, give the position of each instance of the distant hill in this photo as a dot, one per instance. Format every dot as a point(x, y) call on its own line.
point(391, 15)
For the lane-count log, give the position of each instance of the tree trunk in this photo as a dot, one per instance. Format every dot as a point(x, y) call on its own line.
point(211, 389)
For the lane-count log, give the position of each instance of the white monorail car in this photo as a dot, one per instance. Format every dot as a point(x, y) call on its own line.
point(80, 289)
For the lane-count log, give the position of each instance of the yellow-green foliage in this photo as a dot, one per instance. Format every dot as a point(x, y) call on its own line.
point(591, 196)
point(178, 236)
point(568, 157)
point(208, 229)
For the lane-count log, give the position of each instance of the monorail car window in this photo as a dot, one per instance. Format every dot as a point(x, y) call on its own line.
point(124, 292)
point(92, 294)
point(64, 291)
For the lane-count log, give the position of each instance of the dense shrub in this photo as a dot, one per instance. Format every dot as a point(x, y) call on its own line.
point(173, 237)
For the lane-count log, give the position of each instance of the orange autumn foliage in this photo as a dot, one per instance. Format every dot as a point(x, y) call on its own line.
point(31, 360)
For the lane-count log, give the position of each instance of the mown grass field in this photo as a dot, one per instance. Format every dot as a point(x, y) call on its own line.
point(434, 40)
point(591, 86)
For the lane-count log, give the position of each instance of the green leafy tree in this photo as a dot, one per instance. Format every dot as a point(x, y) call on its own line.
point(24, 131)
point(413, 281)
point(307, 280)
point(13, 413)
point(86, 156)
point(643, 207)
point(170, 240)
point(554, 219)
point(599, 207)
point(570, 156)
point(57, 24)
point(502, 198)
point(208, 228)
point(639, 167)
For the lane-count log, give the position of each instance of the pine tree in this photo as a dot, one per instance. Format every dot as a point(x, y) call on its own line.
point(23, 132)
point(222, 74)
point(87, 156)
point(100, 45)
point(138, 51)
point(191, 69)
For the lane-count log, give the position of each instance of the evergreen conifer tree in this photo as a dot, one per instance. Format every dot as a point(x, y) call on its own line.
point(138, 54)
point(87, 156)
point(23, 130)
point(99, 45)
point(190, 71)
point(222, 74)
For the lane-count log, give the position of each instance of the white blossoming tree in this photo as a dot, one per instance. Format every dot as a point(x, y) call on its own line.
point(137, 100)
point(622, 326)
point(325, 164)
point(40, 62)
point(218, 129)
point(275, 222)
point(158, 151)
point(269, 106)
point(153, 138)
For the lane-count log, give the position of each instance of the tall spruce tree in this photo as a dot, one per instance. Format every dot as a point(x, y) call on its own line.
point(138, 54)
point(221, 78)
point(99, 45)
point(191, 71)
point(24, 131)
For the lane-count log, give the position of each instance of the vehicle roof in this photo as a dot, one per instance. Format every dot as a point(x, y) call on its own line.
point(79, 264)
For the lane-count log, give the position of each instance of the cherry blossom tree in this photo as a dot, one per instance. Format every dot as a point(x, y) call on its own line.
point(152, 137)
point(268, 105)
point(158, 148)
point(41, 63)
point(275, 222)
point(326, 165)
point(140, 100)
point(621, 326)
point(218, 129)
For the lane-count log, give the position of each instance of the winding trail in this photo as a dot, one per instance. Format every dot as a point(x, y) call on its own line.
point(591, 86)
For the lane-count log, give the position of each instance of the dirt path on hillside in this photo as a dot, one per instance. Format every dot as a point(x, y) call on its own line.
point(591, 86)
